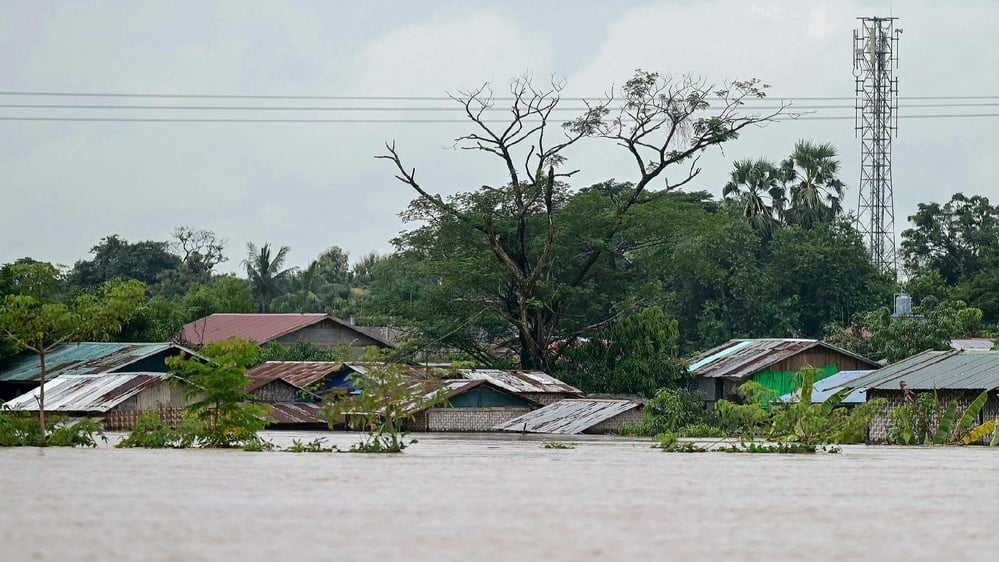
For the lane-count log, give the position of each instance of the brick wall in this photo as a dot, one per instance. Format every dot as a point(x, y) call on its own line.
point(124, 420)
point(878, 431)
point(465, 419)
point(612, 425)
point(546, 398)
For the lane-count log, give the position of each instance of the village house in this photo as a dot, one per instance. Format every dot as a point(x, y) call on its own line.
point(832, 384)
point(23, 372)
point(470, 405)
point(573, 416)
point(958, 375)
point(321, 330)
point(118, 398)
point(770, 362)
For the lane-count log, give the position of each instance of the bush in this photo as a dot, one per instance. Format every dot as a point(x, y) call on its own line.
point(669, 410)
point(19, 428)
point(151, 432)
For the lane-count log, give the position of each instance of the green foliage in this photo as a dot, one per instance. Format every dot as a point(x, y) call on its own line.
point(670, 410)
point(638, 354)
point(317, 445)
point(923, 420)
point(116, 258)
point(388, 398)
point(19, 428)
point(551, 444)
point(670, 442)
point(216, 387)
point(151, 432)
point(305, 351)
point(778, 448)
point(265, 273)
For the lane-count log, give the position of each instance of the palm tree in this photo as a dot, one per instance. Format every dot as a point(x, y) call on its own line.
point(816, 194)
point(265, 273)
point(758, 188)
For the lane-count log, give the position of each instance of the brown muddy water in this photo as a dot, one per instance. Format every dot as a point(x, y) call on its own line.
point(498, 498)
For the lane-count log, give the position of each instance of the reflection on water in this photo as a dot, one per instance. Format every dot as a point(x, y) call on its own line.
point(498, 498)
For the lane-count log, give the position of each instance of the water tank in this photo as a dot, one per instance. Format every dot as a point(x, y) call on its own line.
point(903, 304)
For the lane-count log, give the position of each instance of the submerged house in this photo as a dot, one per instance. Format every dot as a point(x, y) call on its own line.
point(23, 373)
point(468, 405)
point(119, 398)
point(570, 417)
point(320, 330)
point(832, 384)
point(957, 375)
point(770, 362)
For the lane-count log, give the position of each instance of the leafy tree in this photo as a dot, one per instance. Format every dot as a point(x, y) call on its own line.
point(877, 335)
point(265, 273)
point(824, 275)
point(951, 238)
point(662, 123)
point(32, 278)
point(638, 354)
point(220, 406)
point(35, 325)
point(388, 397)
point(116, 258)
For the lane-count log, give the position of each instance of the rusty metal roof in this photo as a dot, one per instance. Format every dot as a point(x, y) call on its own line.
point(521, 381)
point(260, 328)
point(568, 417)
point(88, 393)
point(929, 370)
point(298, 373)
point(739, 359)
point(86, 358)
point(294, 412)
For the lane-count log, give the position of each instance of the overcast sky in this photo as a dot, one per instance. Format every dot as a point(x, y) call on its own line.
point(313, 185)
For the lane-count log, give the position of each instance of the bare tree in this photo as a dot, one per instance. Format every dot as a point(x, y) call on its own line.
point(663, 122)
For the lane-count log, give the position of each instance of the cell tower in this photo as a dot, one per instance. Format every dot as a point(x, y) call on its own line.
point(876, 120)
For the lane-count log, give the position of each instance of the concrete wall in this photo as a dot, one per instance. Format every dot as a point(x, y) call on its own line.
point(329, 334)
point(546, 398)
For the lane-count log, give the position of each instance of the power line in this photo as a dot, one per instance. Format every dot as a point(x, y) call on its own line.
point(409, 121)
point(443, 109)
point(414, 98)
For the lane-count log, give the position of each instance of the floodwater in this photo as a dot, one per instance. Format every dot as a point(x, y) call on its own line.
point(498, 498)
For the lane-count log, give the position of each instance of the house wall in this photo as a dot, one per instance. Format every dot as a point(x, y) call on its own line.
point(613, 425)
point(820, 356)
point(464, 419)
point(878, 430)
point(275, 391)
point(163, 395)
point(485, 397)
point(124, 420)
point(329, 334)
point(152, 364)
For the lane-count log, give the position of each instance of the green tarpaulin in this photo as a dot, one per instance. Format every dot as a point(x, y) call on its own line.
point(783, 382)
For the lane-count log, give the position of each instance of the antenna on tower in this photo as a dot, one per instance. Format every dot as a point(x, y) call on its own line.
point(875, 58)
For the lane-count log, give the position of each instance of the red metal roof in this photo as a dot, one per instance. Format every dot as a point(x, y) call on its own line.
point(294, 412)
point(260, 328)
point(298, 373)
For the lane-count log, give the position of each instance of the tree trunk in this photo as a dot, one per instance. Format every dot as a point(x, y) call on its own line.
point(41, 396)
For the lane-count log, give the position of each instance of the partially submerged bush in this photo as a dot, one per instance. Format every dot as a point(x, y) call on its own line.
point(20, 428)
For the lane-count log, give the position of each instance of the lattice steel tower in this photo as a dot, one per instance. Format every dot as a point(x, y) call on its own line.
point(876, 120)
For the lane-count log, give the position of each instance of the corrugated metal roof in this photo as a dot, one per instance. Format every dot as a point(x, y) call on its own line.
point(739, 359)
point(568, 417)
point(955, 369)
point(510, 380)
point(88, 393)
point(294, 412)
point(979, 344)
point(260, 328)
point(831, 385)
point(298, 373)
point(86, 358)
point(521, 381)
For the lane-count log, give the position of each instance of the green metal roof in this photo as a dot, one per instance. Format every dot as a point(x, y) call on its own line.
point(968, 370)
point(87, 358)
